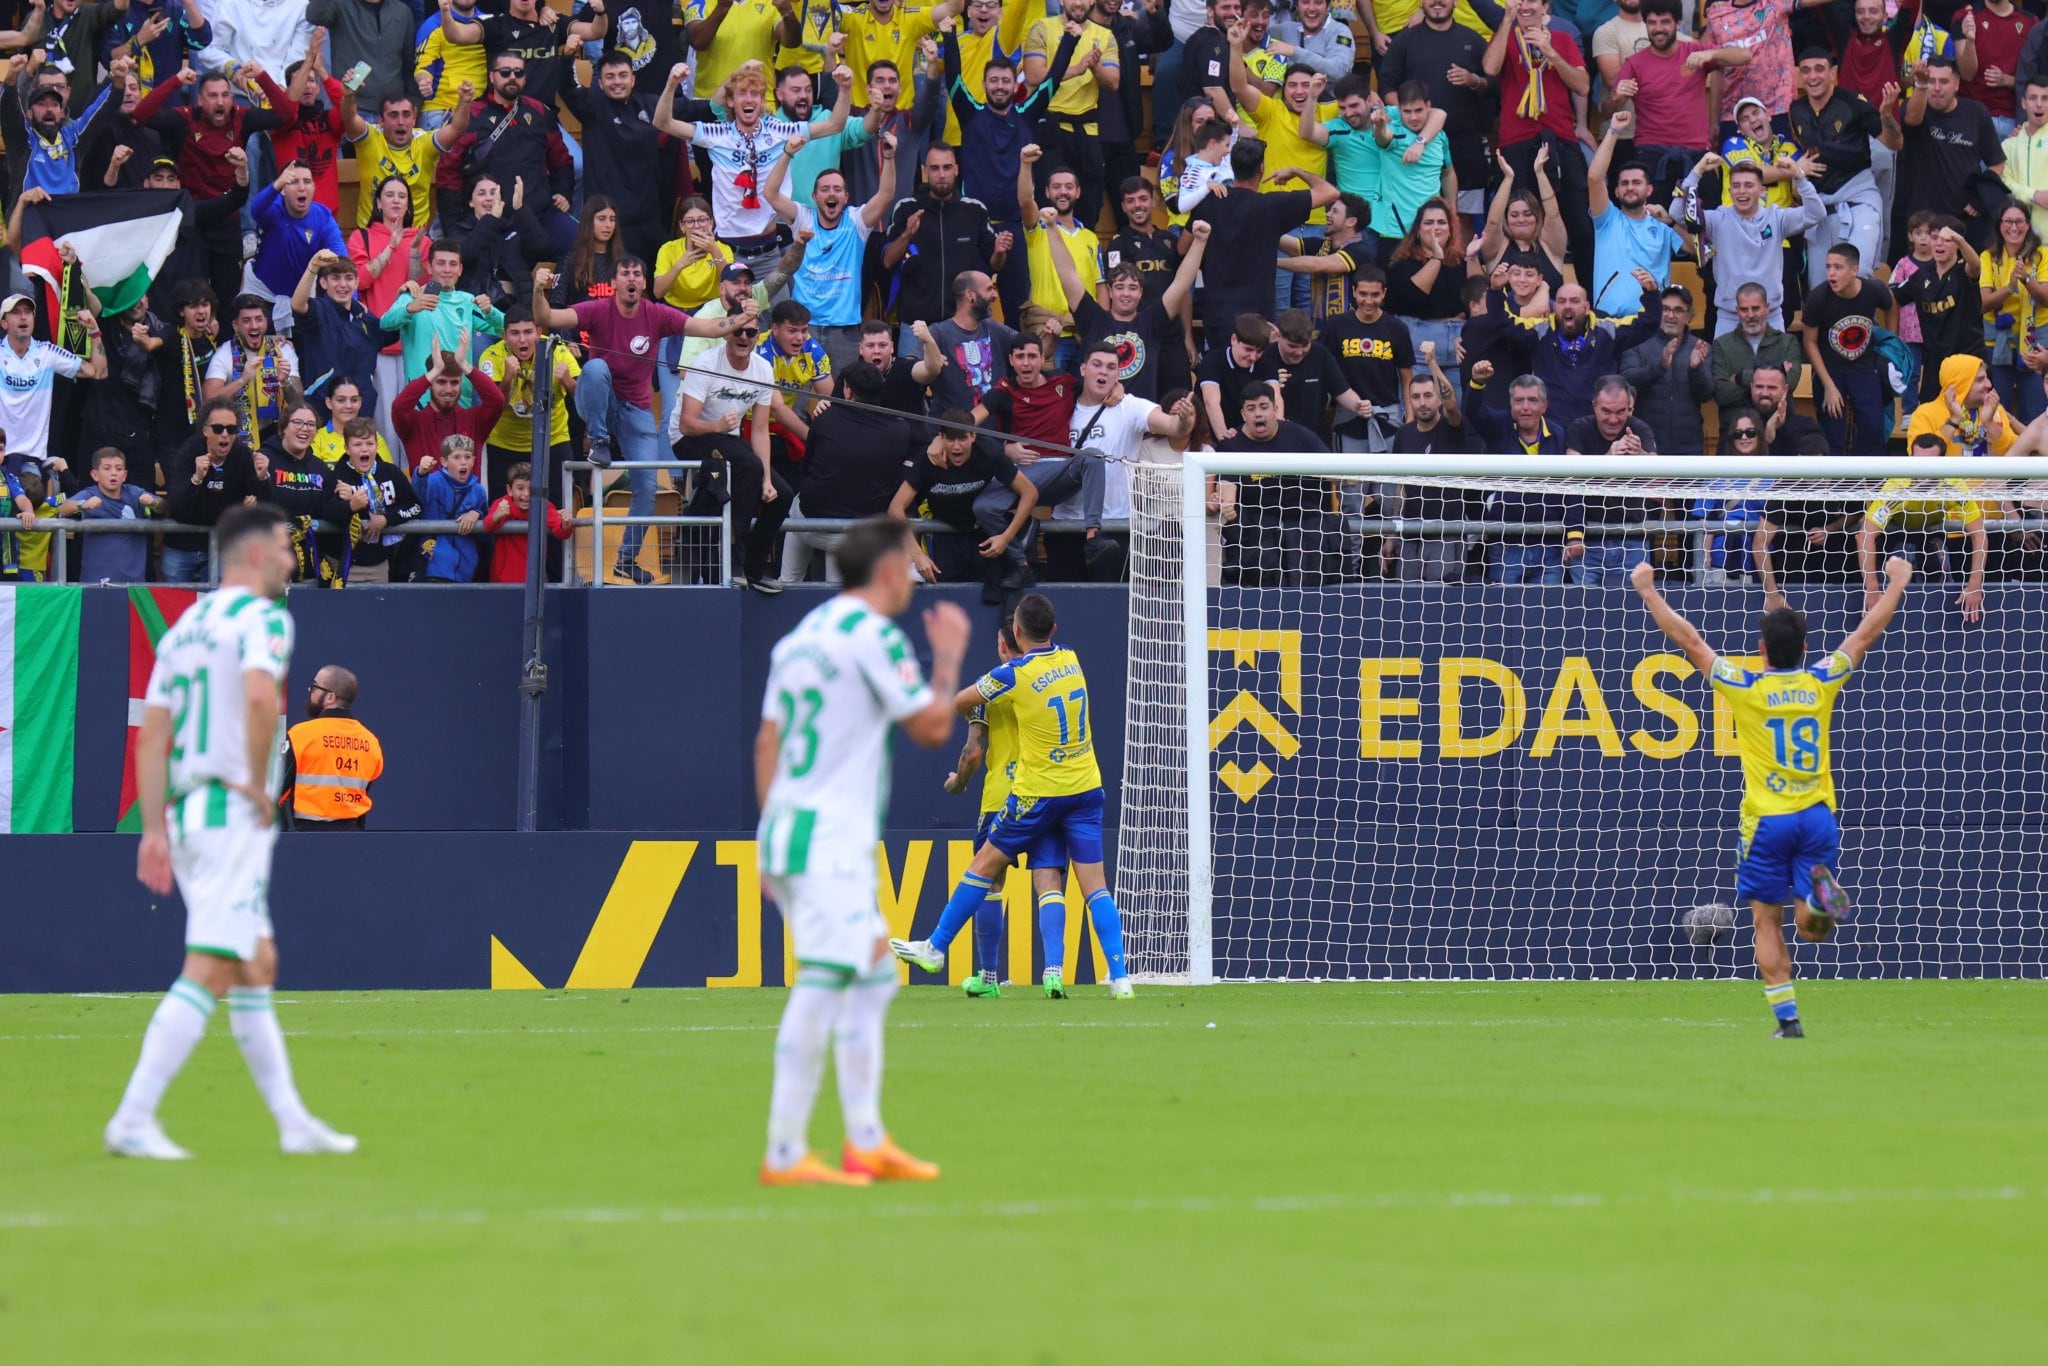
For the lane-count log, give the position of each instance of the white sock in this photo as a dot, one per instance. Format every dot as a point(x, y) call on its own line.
point(174, 1031)
point(799, 1067)
point(858, 1046)
point(255, 1025)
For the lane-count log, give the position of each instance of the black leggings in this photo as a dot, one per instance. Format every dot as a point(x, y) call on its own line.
point(732, 474)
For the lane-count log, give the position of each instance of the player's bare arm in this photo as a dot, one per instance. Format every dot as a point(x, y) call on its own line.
point(1683, 633)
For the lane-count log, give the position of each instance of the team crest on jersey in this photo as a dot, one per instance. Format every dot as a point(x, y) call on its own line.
point(638, 346)
point(1851, 337)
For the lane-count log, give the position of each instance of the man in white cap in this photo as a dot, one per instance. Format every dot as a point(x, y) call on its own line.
point(28, 375)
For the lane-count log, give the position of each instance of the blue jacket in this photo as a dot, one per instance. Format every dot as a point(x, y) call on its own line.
point(1497, 428)
point(289, 243)
point(454, 558)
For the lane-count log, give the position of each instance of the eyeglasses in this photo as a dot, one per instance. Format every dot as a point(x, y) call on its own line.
point(510, 71)
point(302, 422)
point(220, 429)
point(1746, 434)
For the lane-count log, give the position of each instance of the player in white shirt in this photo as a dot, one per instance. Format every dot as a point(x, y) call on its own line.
point(837, 685)
point(207, 768)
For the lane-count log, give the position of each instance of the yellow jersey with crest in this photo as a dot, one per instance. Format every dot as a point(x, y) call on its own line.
point(999, 766)
point(1047, 697)
point(1781, 731)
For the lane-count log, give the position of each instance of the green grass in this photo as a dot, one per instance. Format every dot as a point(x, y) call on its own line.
point(1449, 1172)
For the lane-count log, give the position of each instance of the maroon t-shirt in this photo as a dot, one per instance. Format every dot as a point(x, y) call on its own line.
point(1041, 414)
point(630, 346)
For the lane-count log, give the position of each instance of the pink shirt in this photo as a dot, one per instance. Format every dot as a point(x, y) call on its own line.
point(1671, 106)
point(630, 346)
point(1764, 30)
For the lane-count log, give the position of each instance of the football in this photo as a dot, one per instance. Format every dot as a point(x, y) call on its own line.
point(1708, 924)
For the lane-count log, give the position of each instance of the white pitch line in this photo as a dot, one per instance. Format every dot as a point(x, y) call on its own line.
point(849, 1208)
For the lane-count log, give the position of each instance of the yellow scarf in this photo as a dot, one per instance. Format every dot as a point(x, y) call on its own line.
point(1532, 104)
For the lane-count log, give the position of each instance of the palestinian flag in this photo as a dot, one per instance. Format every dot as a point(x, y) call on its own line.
point(151, 612)
point(38, 707)
point(121, 239)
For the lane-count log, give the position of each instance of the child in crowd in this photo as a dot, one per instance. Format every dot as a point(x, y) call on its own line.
point(113, 557)
point(449, 494)
point(508, 557)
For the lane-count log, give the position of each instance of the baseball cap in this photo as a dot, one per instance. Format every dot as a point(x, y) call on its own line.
point(737, 270)
point(163, 164)
point(47, 92)
point(14, 301)
point(1750, 99)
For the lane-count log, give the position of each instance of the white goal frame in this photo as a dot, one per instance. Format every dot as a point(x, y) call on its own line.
point(1197, 467)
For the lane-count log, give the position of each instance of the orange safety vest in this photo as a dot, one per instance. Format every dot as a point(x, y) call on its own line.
point(337, 760)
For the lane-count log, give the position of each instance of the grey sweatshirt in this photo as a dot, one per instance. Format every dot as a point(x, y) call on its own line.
point(1752, 250)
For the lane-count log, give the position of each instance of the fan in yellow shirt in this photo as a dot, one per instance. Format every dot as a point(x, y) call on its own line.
point(1057, 229)
point(888, 30)
point(1069, 130)
point(1966, 420)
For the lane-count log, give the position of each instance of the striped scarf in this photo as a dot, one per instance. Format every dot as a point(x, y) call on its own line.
point(1533, 102)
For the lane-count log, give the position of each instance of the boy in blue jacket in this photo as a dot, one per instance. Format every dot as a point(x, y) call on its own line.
point(448, 493)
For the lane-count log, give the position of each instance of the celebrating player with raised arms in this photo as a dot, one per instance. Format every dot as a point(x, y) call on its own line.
point(1055, 808)
point(1789, 840)
point(821, 769)
point(207, 766)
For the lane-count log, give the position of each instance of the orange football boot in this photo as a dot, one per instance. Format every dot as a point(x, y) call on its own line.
point(810, 1170)
point(889, 1163)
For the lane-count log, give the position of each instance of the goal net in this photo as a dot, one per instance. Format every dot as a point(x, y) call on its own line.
point(1352, 753)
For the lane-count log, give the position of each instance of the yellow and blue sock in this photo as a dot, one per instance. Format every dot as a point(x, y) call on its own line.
point(1052, 928)
point(988, 931)
point(1109, 929)
point(1781, 1001)
point(974, 889)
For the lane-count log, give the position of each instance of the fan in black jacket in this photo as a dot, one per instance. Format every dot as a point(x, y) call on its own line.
point(212, 472)
point(501, 243)
point(622, 156)
point(376, 554)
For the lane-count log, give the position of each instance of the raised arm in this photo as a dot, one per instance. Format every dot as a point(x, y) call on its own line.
point(665, 108)
point(1190, 266)
point(875, 212)
point(1898, 573)
point(1241, 84)
point(1027, 192)
point(1682, 632)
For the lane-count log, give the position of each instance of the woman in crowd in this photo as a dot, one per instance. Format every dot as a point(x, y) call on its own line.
point(591, 260)
point(1426, 282)
point(1524, 226)
point(344, 403)
point(2013, 288)
point(686, 276)
point(386, 254)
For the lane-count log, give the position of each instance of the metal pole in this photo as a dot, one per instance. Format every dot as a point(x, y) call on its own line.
point(1194, 623)
point(533, 677)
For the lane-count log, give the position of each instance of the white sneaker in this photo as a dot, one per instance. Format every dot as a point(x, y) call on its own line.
point(1120, 989)
point(314, 1137)
point(143, 1140)
point(918, 952)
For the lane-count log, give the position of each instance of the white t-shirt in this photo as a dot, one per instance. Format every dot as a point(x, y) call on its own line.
point(197, 678)
point(223, 366)
point(739, 165)
point(835, 685)
point(26, 386)
point(722, 389)
point(1119, 432)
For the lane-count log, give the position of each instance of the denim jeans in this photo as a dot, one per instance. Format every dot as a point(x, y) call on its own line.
point(1865, 423)
point(1606, 564)
point(1166, 96)
point(1289, 289)
point(632, 435)
point(1525, 564)
point(1445, 333)
point(184, 566)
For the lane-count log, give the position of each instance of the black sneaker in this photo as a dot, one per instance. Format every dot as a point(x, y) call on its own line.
point(626, 569)
point(599, 453)
point(1791, 1029)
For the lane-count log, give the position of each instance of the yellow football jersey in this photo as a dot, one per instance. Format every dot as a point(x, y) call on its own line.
point(1048, 701)
point(1781, 731)
point(999, 768)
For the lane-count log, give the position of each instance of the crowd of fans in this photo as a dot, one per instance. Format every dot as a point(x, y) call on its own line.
point(860, 258)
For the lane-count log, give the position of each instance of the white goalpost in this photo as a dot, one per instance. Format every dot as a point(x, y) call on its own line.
point(1335, 773)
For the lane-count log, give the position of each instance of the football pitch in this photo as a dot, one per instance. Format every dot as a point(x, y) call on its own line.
point(1445, 1172)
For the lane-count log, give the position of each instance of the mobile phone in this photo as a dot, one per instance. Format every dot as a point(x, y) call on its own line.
point(433, 289)
point(357, 74)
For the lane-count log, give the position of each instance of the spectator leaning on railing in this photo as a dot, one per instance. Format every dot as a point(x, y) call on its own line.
point(449, 492)
point(212, 472)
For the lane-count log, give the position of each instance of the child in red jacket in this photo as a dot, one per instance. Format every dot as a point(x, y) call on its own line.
point(508, 556)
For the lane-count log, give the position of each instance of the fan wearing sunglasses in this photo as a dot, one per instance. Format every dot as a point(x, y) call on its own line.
point(210, 473)
point(723, 421)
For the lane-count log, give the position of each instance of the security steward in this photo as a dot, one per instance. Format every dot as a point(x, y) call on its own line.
point(330, 759)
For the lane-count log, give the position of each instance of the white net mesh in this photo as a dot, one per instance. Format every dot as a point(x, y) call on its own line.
point(1417, 772)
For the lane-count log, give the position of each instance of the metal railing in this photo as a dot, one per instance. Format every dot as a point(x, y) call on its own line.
point(1700, 532)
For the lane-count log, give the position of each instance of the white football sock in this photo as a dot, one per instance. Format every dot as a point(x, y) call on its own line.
point(799, 1067)
point(858, 1046)
point(262, 1043)
point(174, 1031)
